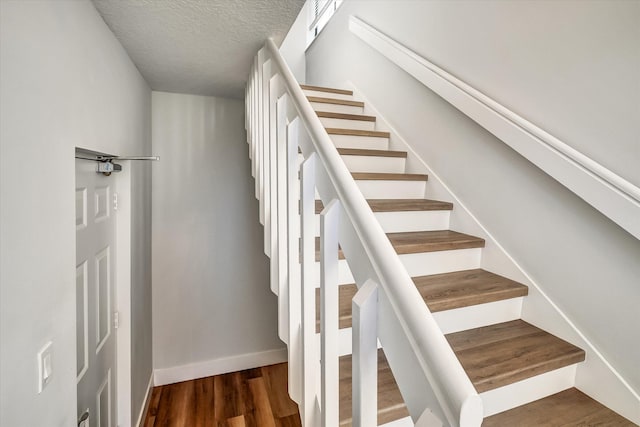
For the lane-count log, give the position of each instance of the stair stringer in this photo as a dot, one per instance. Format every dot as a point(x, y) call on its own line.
point(595, 377)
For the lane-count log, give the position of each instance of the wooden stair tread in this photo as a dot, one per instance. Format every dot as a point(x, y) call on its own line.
point(401, 205)
point(501, 354)
point(465, 288)
point(344, 116)
point(323, 100)
point(568, 408)
point(391, 406)
point(378, 176)
point(326, 89)
point(358, 132)
point(367, 152)
point(441, 292)
point(412, 242)
point(432, 241)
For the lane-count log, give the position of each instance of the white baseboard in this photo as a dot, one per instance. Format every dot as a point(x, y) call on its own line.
point(212, 367)
point(145, 406)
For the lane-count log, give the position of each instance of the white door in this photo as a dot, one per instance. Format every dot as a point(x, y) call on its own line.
point(95, 295)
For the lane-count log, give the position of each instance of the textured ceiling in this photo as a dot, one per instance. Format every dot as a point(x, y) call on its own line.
point(203, 47)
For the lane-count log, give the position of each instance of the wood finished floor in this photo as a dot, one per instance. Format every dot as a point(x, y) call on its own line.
point(252, 398)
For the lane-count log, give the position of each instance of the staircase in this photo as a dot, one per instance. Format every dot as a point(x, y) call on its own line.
point(390, 317)
point(512, 364)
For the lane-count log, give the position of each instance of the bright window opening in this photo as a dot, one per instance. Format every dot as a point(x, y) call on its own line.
point(320, 13)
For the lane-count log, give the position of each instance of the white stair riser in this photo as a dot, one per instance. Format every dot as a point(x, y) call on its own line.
point(396, 222)
point(336, 108)
point(365, 142)
point(378, 189)
point(422, 264)
point(347, 124)
point(406, 221)
point(321, 94)
point(476, 316)
point(377, 164)
point(529, 390)
point(419, 264)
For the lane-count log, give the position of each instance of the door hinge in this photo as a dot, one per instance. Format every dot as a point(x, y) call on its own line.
point(116, 319)
point(115, 201)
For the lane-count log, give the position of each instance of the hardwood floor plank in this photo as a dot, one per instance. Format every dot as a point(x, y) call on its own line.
point(263, 414)
point(250, 406)
point(173, 410)
point(228, 402)
point(290, 421)
point(154, 402)
point(203, 402)
point(236, 421)
point(276, 380)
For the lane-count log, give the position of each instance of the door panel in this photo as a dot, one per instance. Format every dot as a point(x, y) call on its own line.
point(95, 294)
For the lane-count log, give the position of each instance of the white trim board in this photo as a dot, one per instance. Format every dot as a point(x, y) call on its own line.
point(207, 368)
point(595, 377)
point(606, 191)
point(145, 404)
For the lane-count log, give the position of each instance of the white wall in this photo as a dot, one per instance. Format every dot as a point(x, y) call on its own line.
point(570, 67)
point(211, 297)
point(65, 82)
point(294, 44)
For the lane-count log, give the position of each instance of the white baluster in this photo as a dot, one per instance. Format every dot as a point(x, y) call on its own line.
point(293, 243)
point(365, 355)
point(310, 362)
point(257, 133)
point(329, 223)
point(269, 229)
point(264, 134)
point(275, 91)
point(265, 130)
point(281, 215)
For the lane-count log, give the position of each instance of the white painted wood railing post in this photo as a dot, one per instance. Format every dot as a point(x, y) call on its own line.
point(264, 153)
point(270, 220)
point(329, 224)
point(257, 131)
point(365, 355)
point(252, 105)
point(281, 215)
point(310, 362)
point(264, 134)
point(293, 243)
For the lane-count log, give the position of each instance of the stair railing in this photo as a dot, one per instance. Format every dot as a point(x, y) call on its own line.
point(282, 128)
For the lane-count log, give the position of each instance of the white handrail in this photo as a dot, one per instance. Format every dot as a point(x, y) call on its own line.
point(454, 391)
point(608, 192)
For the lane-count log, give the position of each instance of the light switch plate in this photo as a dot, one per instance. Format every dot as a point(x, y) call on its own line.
point(45, 366)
